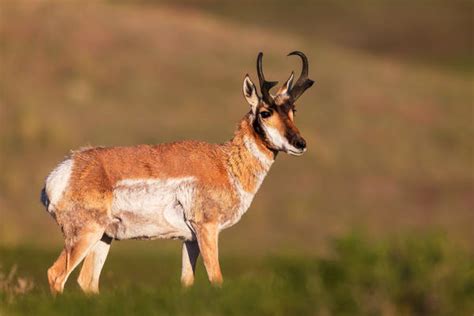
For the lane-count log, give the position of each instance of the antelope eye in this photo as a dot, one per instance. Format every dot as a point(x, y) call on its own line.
point(265, 114)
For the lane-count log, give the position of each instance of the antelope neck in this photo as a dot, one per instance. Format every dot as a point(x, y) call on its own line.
point(248, 158)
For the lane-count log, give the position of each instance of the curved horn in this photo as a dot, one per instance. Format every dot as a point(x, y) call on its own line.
point(265, 86)
point(303, 81)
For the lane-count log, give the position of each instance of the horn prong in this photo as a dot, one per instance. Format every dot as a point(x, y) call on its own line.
point(303, 81)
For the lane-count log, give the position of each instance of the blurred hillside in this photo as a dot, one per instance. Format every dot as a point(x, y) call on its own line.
point(389, 123)
point(436, 33)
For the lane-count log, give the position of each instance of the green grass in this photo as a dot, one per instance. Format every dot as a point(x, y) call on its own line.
point(418, 275)
point(389, 142)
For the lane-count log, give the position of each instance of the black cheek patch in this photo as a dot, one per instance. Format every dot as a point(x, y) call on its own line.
point(257, 127)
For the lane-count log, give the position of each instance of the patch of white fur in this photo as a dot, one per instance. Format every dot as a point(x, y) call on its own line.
point(152, 208)
point(279, 141)
point(257, 153)
point(245, 198)
point(57, 183)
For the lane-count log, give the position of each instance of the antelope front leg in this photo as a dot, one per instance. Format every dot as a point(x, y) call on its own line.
point(190, 255)
point(207, 237)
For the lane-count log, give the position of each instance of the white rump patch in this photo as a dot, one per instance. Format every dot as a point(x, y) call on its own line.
point(57, 182)
point(152, 208)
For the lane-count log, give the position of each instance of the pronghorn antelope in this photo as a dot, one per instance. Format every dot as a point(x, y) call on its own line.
point(186, 190)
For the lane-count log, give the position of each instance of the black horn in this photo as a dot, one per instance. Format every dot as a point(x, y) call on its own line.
point(265, 86)
point(303, 81)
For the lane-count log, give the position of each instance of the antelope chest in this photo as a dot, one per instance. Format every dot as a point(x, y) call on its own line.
point(245, 199)
point(151, 208)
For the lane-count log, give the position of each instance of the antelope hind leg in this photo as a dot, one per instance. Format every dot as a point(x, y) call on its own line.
point(93, 263)
point(71, 256)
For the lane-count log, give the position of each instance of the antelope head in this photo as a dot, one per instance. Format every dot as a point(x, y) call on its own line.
point(273, 116)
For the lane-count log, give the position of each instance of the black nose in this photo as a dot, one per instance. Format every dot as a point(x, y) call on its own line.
point(300, 143)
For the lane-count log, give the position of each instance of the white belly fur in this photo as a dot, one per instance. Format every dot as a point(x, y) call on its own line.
point(151, 208)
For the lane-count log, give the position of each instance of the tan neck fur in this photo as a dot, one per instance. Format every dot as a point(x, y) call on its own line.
point(248, 158)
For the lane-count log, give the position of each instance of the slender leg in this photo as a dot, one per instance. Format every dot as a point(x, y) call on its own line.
point(57, 269)
point(89, 277)
point(190, 255)
point(207, 237)
point(71, 256)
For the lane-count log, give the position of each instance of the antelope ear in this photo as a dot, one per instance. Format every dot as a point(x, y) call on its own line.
point(250, 93)
point(285, 89)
